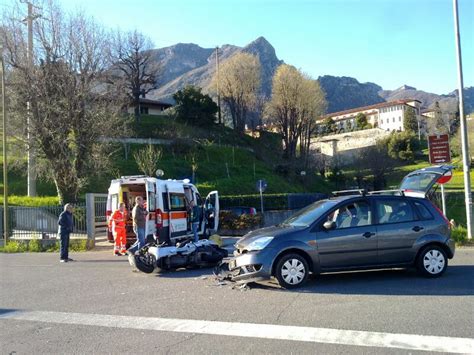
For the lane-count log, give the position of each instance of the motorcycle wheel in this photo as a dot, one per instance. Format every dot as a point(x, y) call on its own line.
point(145, 262)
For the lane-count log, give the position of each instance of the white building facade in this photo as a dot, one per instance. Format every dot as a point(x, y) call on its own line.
point(387, 115)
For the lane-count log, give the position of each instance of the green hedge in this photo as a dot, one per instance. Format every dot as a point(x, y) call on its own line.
point(36, 246)
point(27, 201)
point(270, 201)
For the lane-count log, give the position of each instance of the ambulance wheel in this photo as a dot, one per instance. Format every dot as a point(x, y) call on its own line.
point(145, 263)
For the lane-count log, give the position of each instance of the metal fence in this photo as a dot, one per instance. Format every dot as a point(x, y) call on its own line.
point(42, 222)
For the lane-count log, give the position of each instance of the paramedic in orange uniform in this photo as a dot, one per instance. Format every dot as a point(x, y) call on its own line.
point(117, 222)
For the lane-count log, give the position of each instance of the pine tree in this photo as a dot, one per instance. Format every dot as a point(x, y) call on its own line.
point(410, 123)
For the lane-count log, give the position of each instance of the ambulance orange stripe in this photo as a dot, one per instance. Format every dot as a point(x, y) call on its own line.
point(175, 215)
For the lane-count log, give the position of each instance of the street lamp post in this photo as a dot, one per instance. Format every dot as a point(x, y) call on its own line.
point(463, 128)
point(4, 140)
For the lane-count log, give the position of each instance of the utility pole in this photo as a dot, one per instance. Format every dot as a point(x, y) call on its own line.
point(4, 141)
point(464, 141)
point(218, 90)
point(31, 149)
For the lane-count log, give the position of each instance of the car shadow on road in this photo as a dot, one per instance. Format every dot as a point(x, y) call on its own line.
point(117, 260)
point(457, 281)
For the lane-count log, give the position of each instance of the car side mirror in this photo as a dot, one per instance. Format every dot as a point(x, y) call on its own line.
point(328, 225)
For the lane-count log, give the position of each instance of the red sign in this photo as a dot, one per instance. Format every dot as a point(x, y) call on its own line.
point(445, 178)
point(439, 149)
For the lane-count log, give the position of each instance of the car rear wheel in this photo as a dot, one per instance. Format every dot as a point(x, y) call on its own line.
point(432, 261)
point(291, 271)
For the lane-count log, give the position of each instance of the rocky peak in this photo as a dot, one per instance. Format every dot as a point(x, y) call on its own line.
point(405, 87)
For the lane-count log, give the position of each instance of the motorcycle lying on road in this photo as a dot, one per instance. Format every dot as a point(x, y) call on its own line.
point(186, 254)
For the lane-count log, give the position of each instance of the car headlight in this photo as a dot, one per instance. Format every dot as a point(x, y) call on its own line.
point(259, 243)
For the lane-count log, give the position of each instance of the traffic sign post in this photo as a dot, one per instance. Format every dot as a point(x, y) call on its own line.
point(261, 186)
point(441, 181)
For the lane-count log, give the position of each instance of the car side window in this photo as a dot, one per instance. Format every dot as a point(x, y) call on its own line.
point(394, 211)
point(423, 211)
point(353, 214)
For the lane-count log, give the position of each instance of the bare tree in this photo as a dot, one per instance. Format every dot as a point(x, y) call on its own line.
point(71, 108)
point(296, 103)
point(132, 56)
point(147, 159)
point(239, 82)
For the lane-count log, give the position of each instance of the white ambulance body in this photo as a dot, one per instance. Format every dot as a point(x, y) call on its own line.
point(167, 202)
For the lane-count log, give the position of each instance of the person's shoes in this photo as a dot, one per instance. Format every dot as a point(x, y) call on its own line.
point(63, 261)
point(69, 259)
point(117, 254)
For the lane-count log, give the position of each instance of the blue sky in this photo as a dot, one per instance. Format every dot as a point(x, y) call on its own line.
point(389, 42)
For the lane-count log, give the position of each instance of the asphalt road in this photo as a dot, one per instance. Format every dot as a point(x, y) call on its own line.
point(389, 301)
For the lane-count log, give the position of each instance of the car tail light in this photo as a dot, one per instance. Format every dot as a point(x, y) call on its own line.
point(158, 219)
point(442, 215)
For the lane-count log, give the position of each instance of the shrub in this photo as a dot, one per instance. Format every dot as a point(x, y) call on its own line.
point(78, 245)
point(52, 247)
point(402, 145)
point(35, 246)
point(14, 246)
point(229, 220)
point(459, 235)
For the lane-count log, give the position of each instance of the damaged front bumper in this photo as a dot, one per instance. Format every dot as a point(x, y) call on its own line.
point(247, 267)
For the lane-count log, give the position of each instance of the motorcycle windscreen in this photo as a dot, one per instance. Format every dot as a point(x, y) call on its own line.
point(420, 182)
point(211, 208)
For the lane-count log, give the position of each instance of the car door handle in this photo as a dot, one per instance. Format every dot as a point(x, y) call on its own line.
point(417, 228)
point(368, 234)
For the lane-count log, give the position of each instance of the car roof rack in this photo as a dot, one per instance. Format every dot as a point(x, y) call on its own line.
point(387, 192)
point(349, 192)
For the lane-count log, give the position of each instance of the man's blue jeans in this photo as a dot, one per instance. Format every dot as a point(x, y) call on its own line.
point(140, 243)
point(195, 231)
point(64, 246)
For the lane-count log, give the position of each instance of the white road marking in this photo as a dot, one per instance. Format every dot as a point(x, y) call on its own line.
point(252, 330)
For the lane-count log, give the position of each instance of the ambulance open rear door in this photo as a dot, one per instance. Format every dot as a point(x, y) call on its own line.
point(150, 207)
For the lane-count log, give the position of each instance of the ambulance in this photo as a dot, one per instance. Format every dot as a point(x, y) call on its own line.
point(168, 206)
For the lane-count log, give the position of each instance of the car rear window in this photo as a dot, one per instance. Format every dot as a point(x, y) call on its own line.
point(423, 211)
point(418, 182)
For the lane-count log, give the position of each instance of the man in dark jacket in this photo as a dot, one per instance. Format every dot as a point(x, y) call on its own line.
point(65, 223)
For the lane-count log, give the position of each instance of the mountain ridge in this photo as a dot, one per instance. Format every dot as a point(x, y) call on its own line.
point(189, 64)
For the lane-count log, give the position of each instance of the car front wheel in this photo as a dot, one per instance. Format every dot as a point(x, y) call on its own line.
point(291, 271)
point(432, 261)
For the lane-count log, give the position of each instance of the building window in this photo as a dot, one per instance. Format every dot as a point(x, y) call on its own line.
point(143, 110)
point(393, 119)
point(400, 119)
point(388, 120)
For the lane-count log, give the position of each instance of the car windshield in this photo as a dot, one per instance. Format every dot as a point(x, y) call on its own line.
point(309, 214)
point(419, 182)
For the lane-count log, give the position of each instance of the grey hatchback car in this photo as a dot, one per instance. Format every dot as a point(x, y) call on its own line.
point(358, 231)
